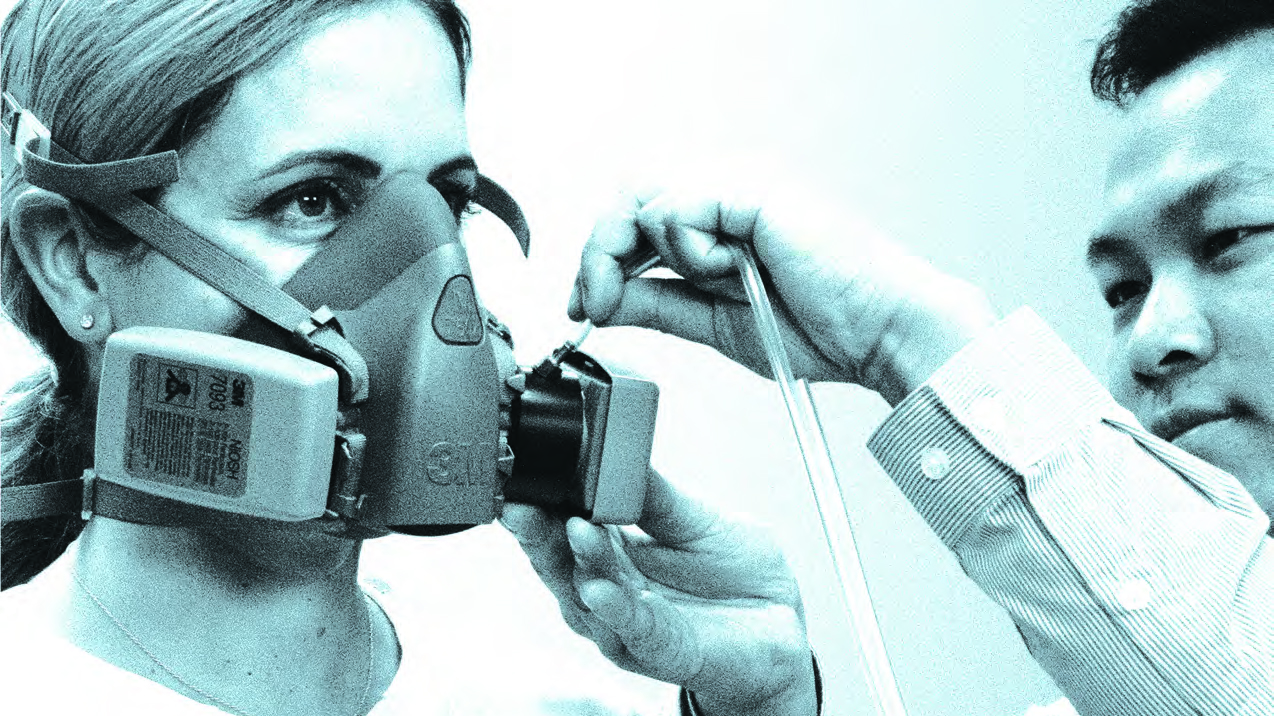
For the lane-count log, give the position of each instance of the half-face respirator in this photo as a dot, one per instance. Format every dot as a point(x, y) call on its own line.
point(371, 393)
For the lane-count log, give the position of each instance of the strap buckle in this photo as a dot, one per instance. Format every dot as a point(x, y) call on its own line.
point(321, 318)
point(89, 497)
point(345, 499)
point(9, 111)
point(25, 128)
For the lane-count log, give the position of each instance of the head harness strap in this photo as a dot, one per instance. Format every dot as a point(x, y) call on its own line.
point(110, 185)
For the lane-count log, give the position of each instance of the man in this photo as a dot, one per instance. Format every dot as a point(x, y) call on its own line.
point(1126, 532)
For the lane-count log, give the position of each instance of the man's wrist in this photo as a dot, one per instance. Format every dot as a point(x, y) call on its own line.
point(803, 698)
point(911, 356)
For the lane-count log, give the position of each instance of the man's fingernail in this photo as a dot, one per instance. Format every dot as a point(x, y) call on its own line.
point(574, 541)
point(513, 517)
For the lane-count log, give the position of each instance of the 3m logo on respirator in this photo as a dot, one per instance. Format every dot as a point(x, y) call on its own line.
point(456, 318)
point(459, 464)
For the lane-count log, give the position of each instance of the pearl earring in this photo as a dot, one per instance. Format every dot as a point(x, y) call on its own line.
point(86, 322)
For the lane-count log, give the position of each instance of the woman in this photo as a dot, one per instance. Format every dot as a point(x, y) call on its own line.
point(285, 116)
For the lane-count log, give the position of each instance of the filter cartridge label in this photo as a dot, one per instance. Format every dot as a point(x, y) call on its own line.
point(188, 425)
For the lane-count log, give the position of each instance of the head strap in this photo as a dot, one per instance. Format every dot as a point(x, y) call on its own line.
point(91, 495)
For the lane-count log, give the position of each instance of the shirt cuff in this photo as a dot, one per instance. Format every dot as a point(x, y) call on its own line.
point(1021, 391)
point(956, 446)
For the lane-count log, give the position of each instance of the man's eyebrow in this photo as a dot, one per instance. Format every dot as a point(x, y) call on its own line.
point(1234, 178)
point(1102, 249)
point(354, 163)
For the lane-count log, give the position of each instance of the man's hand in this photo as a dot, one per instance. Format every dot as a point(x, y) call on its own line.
point(697, 600)
point(852, 306)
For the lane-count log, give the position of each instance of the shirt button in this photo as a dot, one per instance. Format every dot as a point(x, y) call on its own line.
point(1239, 640)
point(1134, 594)
point(935, 463)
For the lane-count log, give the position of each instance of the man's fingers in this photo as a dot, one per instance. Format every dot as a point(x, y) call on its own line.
point(607, 641)
point(676, 307)
point(694, 253)
point(653, 631)
point(598, 286)
point(671, 517)
point(534, 529)
point(543, 539)
point(600, 280)
point(594, 555)
point(687, 236)
point(735, 218)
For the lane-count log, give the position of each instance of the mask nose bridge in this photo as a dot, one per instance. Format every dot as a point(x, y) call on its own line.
point(432, 416)
point(403, 221)
point(397, 279)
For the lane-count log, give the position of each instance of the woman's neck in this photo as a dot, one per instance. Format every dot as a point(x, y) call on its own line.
point(264, 621)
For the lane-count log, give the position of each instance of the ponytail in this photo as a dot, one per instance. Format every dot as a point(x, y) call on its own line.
point(45, 425)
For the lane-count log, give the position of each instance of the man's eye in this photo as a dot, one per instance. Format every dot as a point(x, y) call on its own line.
point(1123, 292)
point(1217, 243)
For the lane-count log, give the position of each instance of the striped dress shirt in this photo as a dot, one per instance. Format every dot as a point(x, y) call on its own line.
point(1140, 577)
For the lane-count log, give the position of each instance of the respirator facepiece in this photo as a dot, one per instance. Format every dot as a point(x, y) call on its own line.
point(372, 393)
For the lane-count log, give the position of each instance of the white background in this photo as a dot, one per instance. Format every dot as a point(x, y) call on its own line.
point(964, 129)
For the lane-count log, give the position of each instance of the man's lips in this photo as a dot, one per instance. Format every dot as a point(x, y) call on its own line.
point(1176, 423)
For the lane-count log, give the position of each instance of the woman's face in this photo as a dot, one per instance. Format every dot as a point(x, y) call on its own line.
point(302, 140)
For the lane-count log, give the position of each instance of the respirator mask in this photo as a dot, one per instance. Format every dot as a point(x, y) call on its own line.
point(372, 393)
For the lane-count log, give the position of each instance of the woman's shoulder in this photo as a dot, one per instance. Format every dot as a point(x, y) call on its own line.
point(41, 671)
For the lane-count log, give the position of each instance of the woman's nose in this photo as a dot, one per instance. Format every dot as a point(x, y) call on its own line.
point(1171, 334)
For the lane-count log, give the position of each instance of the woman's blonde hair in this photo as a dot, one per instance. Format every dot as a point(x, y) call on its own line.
point(115, 79)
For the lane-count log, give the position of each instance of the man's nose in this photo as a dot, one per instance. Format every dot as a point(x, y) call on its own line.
point(1171, 334)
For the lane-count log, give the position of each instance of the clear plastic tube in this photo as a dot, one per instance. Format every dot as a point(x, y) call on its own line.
point(633, 268)
point(831, 507)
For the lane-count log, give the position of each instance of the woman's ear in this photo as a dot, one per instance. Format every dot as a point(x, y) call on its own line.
point(51, 243)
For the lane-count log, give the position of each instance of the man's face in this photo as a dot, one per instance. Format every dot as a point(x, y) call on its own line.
point(1185, 257)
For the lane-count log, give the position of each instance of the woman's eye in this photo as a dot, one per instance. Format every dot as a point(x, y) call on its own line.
point(459, 197)
point(1123, 292)
point(313, 203)
point(309, 204)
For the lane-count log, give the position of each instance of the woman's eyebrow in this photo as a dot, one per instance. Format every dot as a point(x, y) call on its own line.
point(1245, 176)
point(451, 166)
point(355, 163)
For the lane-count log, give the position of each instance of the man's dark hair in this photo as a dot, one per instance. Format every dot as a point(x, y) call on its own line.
point(1152, 38)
